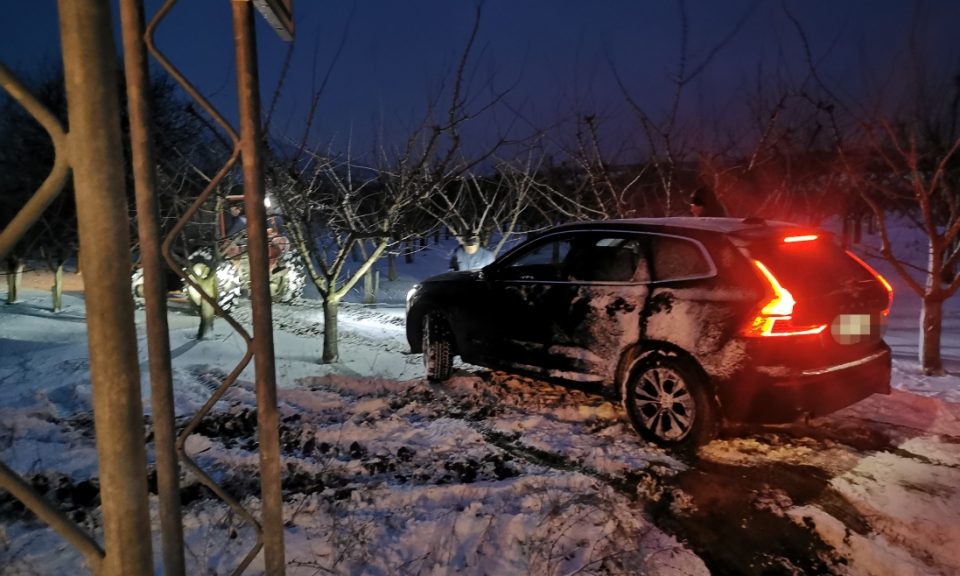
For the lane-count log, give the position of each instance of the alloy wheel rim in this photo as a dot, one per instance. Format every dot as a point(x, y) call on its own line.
point(664, 403)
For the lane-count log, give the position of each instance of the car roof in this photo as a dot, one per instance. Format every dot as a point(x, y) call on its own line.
point(742, 227)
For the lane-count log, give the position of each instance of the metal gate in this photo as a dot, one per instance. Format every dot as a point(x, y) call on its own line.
point(92, 150)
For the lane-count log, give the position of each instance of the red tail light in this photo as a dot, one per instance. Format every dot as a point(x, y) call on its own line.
point(775, 314)
point(879, 277)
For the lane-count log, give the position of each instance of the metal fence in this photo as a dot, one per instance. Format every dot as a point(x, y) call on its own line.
point(92, 150)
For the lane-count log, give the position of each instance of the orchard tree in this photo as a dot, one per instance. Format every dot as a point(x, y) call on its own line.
point(330, 209)
point(923, 179)
point(671, 142)
point(493, 209)
point(333, 203)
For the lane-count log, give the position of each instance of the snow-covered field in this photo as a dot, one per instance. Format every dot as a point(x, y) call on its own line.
point(490, 473)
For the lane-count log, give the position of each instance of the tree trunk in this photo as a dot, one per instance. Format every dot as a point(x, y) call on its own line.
point(931, 323)
point(408, 253)
point(58, 288)
point(331, 352)
point(392, 267)
point(369, 287)
point(14, 278)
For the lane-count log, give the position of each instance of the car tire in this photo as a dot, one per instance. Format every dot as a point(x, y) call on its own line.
point(288, 279)
point(666, 397)
point(437, 352)
point(228, 280)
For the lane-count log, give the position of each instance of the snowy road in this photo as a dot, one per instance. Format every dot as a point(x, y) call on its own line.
point(490, 473)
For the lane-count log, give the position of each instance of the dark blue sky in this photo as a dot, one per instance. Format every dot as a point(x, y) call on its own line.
point(555, 56)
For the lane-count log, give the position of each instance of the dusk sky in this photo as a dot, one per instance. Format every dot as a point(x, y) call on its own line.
point(556, 57)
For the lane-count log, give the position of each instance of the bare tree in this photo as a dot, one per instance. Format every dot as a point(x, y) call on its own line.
point(331, 210)
point(921, 179)
point(601, 188)
point(670, 143)
point(494, 208)
point(334, 203)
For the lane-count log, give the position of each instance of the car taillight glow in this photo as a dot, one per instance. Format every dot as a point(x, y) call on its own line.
point(775, 317)
point(880, 278)
point(802, 238)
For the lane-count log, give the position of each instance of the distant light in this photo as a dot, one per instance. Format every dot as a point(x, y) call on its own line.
point(266, 201)
point(803, 238)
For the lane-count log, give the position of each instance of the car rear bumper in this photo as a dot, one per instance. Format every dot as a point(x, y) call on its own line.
point(769, 395)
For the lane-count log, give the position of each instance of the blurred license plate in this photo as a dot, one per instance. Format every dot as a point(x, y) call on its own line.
point(856, 328)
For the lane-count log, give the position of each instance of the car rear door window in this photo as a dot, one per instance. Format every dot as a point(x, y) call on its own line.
point(597, 258)
point(676, 258)
point(541, 262)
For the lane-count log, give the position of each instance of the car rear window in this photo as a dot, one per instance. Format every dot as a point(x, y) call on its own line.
point(819, 265)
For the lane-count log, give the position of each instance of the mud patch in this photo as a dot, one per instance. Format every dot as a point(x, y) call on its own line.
point(733, 518)
point(77, 500)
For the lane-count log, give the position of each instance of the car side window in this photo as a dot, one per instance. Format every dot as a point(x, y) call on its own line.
point(540, 263)
point(678, 259)
point(606, 259)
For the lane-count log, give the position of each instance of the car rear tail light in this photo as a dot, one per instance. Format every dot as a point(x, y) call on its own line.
point(774, 316)
point(879, 277)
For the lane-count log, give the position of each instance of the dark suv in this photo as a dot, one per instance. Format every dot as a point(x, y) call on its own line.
point(690, 320)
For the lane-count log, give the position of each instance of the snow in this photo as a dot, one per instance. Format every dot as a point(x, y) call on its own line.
point(489, 473)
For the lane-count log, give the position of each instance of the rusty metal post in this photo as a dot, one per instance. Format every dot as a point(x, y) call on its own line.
point(83, 542)
point(31, 212)
point(248, 94)
point(154, 288)
point(96, 154)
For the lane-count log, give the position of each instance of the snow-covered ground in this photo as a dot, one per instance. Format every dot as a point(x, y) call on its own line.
point(490, 473)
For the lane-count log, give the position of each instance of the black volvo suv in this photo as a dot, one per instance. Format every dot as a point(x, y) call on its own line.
point(690, 320)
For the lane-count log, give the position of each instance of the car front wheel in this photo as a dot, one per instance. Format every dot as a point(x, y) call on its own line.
point(668, 404)
point(437, 353)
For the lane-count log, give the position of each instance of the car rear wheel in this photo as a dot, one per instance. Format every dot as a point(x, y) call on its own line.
point(437, 353)
point(668, 404)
